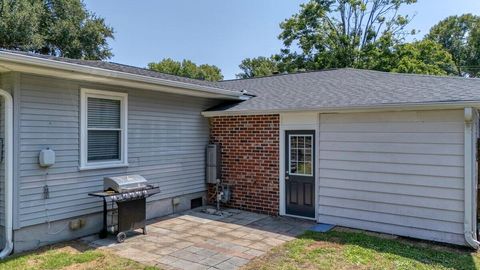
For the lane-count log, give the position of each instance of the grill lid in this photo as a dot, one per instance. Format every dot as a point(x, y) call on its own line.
point(124, 183)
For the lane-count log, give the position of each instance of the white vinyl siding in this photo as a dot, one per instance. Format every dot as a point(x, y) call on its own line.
point(166, 144)
point(393, 172)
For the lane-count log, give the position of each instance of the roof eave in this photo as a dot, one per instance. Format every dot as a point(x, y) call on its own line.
point(13, 61)
point(354, 109)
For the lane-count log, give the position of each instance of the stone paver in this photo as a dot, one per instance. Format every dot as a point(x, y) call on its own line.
point(195, 240)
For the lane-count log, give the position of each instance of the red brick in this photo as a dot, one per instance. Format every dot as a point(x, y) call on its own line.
point(250, 151)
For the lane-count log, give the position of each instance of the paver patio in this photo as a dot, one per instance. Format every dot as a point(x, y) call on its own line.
point(195, 240)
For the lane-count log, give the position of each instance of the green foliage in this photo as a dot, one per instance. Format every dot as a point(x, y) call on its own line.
point(360, 34)
point(423, 57)
point(338, 33)
point(258, 67)
point(460, 35)
point(188, 69)
point(54, 27)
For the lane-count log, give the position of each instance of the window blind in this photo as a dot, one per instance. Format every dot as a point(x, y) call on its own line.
point(103, 129)
point(103, 113)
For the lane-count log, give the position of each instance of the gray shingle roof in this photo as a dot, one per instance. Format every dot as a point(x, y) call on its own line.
point(336, 88)
point(121, 68)
point(340, 88)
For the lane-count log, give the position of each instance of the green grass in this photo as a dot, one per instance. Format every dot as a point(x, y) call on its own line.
point(70, 256)
point(359, 250)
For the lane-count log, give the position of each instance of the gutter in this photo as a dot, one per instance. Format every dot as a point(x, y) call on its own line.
point(469, 223)
point(72, 67)
point(8, 174)
point(450, 105)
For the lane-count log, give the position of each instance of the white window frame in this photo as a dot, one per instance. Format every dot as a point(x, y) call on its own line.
point(290, 154)
point(85, 93)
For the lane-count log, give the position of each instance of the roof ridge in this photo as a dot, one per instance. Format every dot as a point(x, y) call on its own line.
point(415, 74)
point(282, 74)
point(355, 69)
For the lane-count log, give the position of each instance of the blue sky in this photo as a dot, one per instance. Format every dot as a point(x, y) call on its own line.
point(222, 32)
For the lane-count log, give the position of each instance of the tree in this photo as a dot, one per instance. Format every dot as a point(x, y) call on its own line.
point(54, 27)
point(338, 33)
point(258, 67)
point(460, 35)
point(188, 69)
point(422, 57)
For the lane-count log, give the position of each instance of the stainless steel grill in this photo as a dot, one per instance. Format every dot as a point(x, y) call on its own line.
point(128, 193)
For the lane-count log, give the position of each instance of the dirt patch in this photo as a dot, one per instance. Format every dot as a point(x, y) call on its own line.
point(72, 255)
point(323, 244)
point(376, 234)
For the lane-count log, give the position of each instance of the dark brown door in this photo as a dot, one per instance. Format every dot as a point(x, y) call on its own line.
point(300, 172)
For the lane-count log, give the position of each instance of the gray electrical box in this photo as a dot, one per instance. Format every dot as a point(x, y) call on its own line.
point(214, 161)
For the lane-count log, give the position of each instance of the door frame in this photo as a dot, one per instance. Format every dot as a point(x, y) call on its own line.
point(295, 122)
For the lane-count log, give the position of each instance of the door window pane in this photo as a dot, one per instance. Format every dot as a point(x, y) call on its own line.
point(308, 142)
point(293, 167)
point(301, 154)
point(293, 155)
point(301, 141)
point(308, 168)
point(293, 142)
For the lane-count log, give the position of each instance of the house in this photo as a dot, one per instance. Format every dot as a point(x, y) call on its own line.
point(392, 153)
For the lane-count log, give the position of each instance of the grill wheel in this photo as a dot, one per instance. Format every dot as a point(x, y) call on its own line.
point(121, 237)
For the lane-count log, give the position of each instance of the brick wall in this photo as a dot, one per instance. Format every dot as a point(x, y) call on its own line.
point(250, 160)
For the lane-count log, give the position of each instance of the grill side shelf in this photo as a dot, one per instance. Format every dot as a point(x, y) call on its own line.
point(146, 192)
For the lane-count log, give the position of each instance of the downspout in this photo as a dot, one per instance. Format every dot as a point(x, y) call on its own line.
point(469, 183)
point(8, 174)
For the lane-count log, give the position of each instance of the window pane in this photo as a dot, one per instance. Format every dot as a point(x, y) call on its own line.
point(103, 113)
point(301, 141)
point(293, 155)
point(293, 141)
point(308, 142)
point(293, 167)
point(301, 168)
point(308, 168)
point(301, 155)
point(308, 155)
point(103, 145)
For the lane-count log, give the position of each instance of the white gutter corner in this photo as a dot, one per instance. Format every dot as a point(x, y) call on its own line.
point(469, 183)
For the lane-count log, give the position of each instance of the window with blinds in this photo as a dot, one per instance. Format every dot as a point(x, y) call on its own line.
point(103, 129)
point(103, 133)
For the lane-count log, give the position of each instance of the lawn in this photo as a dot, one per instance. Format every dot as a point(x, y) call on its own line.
point(347, 249)
point(71, 256)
